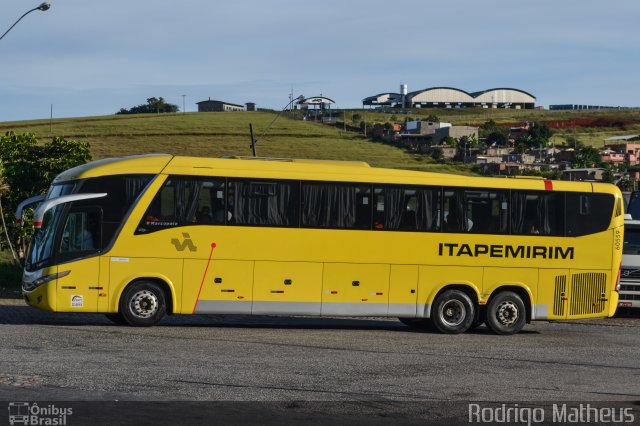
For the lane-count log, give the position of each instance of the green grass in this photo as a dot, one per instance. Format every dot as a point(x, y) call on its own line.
point(218, 134)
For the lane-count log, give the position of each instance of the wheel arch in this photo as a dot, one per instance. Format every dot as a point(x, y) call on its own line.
point(165, 284)
point(466, 287)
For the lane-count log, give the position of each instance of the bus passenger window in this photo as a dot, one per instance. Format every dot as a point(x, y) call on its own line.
point(537, 213)
point(266, 203)
point(455, 215)
point(590, 213)
point(406, 208)
point(487, 211)
point(183, 201)
point(336, 205)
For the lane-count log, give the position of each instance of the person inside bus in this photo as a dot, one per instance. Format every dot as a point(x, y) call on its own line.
point(204, 215)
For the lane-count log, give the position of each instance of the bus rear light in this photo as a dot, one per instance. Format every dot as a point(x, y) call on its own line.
point(617, 287)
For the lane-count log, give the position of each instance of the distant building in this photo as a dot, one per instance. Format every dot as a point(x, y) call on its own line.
point(218, 106)
point(251, 106)
point(450, 97)
point(436, 132)
point(587, 174)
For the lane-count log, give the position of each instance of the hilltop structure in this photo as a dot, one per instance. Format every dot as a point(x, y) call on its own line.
point(450, 97)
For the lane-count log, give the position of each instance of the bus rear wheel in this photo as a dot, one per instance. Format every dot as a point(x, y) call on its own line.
point(143, 304)
point(506, 313)
point(452, 312)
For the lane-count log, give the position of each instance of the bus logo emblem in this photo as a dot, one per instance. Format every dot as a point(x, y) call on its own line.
point(187, 243)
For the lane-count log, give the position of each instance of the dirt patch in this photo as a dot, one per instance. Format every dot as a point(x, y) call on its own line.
point(594, 122)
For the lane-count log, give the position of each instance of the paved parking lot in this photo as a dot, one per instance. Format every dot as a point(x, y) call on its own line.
point(317, 360)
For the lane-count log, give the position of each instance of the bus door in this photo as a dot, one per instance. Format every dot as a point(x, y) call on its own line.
point(78, 253)
point(355, 289)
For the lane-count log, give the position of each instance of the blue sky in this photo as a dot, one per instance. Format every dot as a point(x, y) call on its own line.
point(93, 58)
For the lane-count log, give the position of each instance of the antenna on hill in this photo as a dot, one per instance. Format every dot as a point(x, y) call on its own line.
point(254, 142)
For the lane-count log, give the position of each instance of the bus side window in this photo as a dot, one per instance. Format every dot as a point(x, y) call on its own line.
point(454, 215)
point(537, 213)
point(406, 208)
point(264, 202)
point(81, 231)
point(336, 205)
point(487, 211)
point(590, 213)
point(181, 201)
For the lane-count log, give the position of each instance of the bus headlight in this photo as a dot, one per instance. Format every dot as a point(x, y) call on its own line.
point(30, 286)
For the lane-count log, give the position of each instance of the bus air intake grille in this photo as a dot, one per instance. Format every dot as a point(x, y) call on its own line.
point(586, 293)
point(561, 290)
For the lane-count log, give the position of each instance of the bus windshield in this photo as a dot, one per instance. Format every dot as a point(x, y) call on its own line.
point(59, 222)
point(41, 250)
point(631, 240)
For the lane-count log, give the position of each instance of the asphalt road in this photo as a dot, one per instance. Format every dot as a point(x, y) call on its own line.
point(360, 367)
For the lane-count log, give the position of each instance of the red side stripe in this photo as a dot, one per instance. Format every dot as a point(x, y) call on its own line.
point(548, 185)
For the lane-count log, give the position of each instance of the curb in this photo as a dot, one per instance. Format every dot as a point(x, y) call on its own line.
point(12, 302)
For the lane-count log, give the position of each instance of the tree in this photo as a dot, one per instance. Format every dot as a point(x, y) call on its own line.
point(494, 134)
point(538, 134)
point(574, 142)
point(26, 169)
point(153, 105)
point(437, 154)
point(448, 140)
point(433, 118)
point(587, 157)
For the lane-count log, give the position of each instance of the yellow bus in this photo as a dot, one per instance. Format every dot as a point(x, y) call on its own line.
point(140, 237)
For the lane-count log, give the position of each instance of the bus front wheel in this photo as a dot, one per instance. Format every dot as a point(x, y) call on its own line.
point(143, 304)
point(506, 313)
point(452, 312)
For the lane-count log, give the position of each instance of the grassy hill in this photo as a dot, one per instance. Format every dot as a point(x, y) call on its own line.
point(218, 134)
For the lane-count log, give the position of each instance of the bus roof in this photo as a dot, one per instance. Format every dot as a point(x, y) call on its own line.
point(306, 169)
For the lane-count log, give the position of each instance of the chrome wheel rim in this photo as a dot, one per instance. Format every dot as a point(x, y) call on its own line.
point(507, 313)
point(453, 313)
point(144, 304)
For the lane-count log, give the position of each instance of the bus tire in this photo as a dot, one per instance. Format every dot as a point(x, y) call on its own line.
point(506, 313)
point(452, 312)
point(116, 318)
point(143, 304)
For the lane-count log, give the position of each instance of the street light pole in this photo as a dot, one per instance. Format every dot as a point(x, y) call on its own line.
point(43, 6)
point(254, 142)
